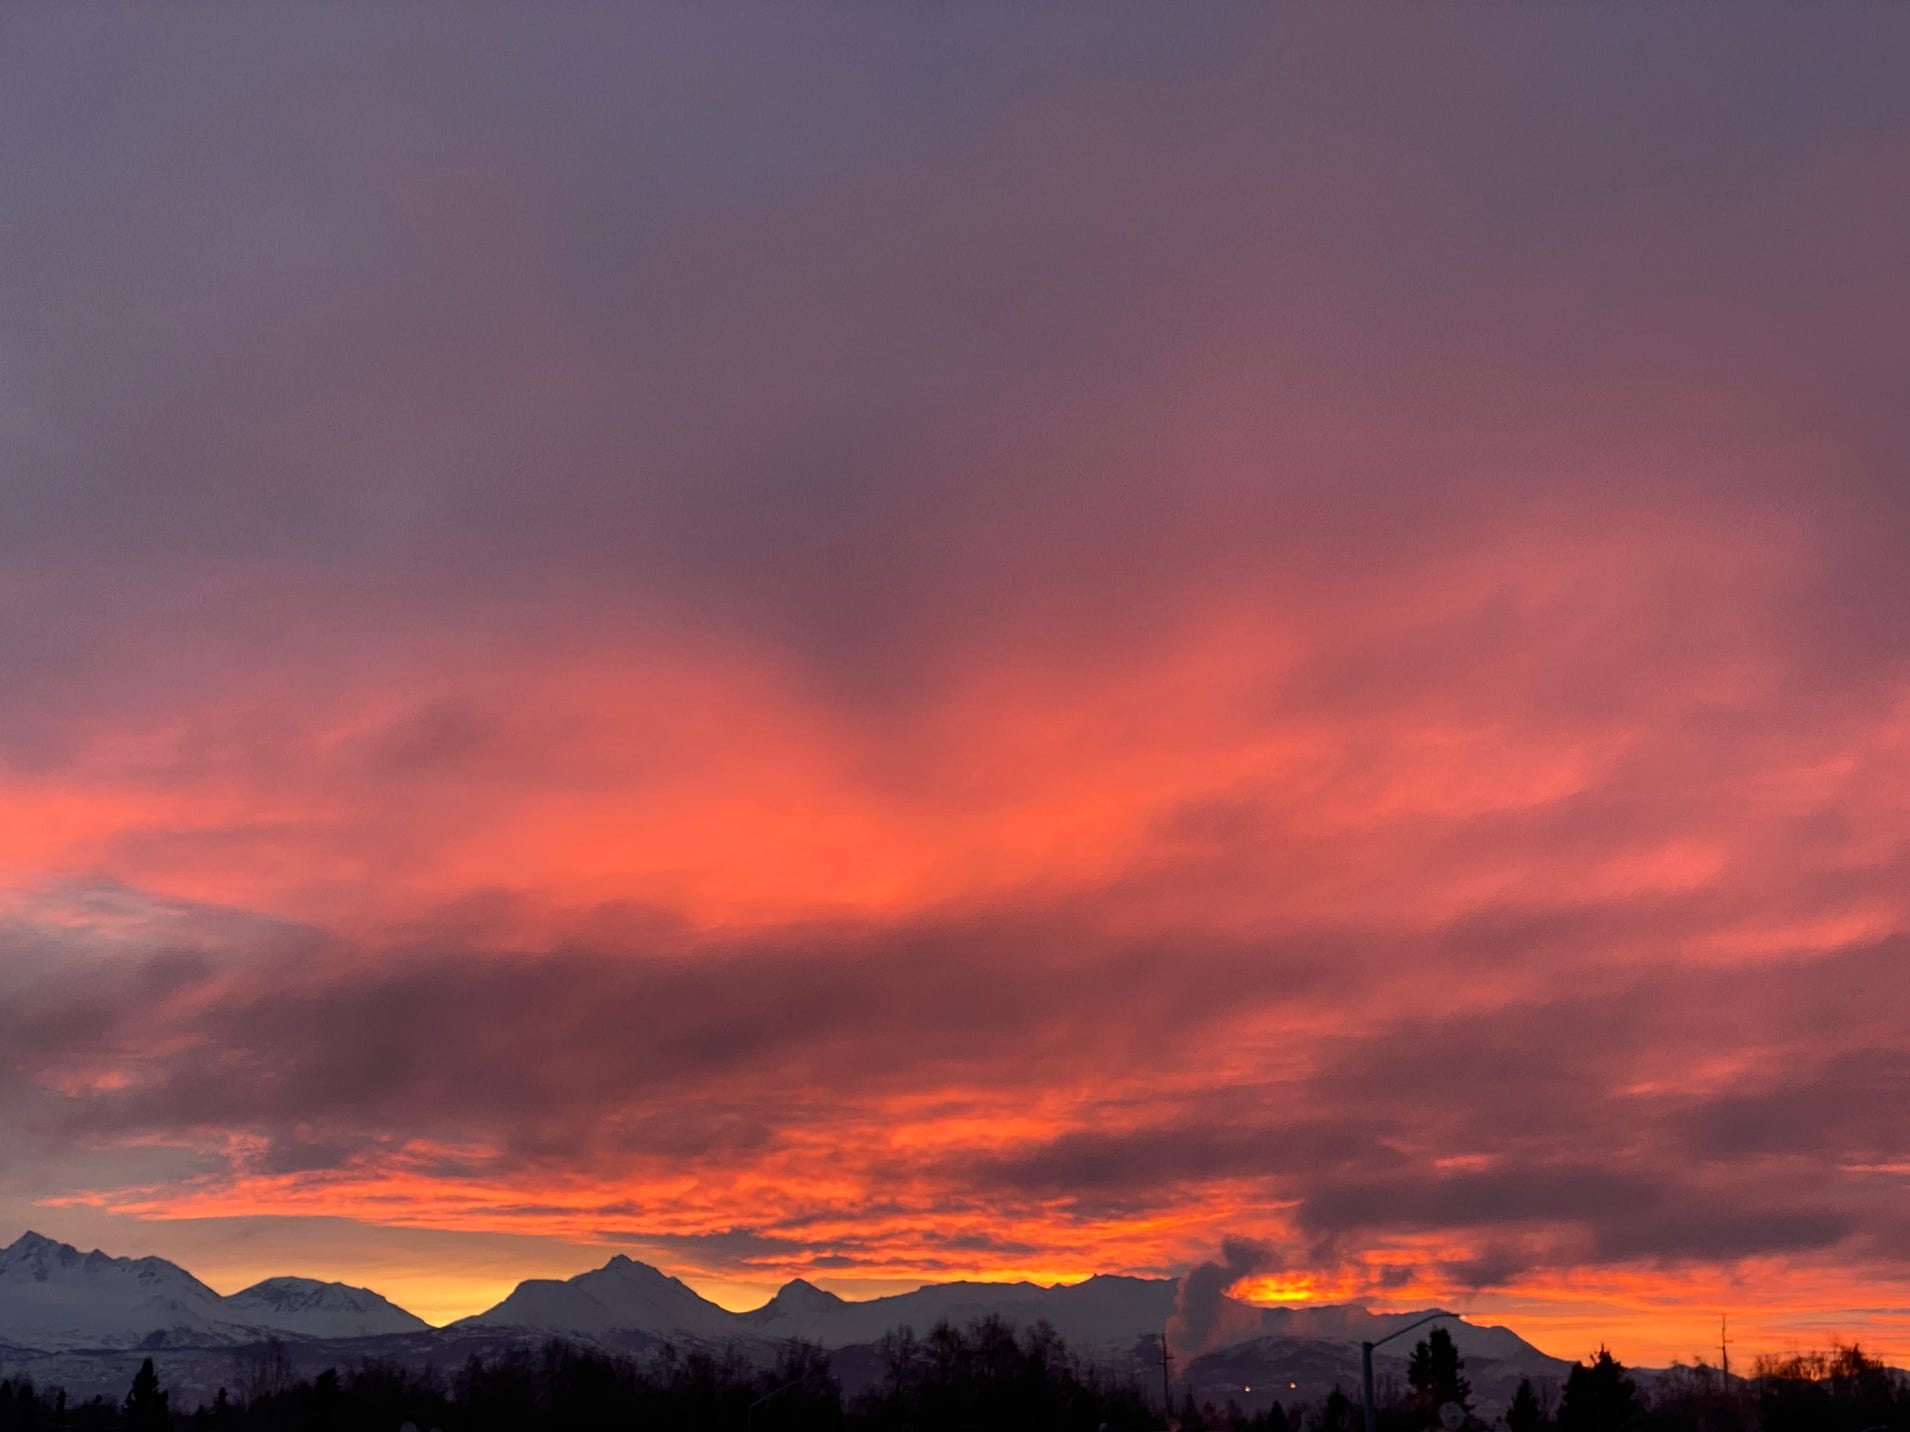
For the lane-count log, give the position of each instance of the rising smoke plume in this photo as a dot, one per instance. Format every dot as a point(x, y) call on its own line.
point(1204, 1316)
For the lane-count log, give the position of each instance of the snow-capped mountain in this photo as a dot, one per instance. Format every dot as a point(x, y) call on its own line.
point(1350, 1323)
point(52, 1296)
point(304, 1307)
point(623, 1297)
point(1105, 1314)
point(798, 1306)
point(1102, 1314)
point(1109, 1311)
point(55, 1298)
point(60, 1307)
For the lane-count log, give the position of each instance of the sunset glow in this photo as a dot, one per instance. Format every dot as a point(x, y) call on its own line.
point(962, 654)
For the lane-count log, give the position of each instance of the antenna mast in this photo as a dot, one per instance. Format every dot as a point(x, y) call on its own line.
point(1724, 1347)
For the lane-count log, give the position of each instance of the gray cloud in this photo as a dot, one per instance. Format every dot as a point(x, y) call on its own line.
point(545, 1045)
point(890, 348)
point(702, 1054)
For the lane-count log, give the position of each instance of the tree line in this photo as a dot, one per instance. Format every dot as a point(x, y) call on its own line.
point(985, 1377)
point(1845, 1390)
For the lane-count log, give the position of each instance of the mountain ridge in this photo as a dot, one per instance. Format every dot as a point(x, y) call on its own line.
point(59, 1307)
point(312, 1308)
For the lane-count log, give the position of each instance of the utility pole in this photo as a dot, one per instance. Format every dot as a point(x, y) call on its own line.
point(1167, 1382)
point(1366, 1364)
point(1724, 1348)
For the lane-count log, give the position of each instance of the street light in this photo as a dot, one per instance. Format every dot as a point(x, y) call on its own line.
point(1366, 1362)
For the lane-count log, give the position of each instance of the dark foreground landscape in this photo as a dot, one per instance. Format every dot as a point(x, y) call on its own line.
point(988, 1375)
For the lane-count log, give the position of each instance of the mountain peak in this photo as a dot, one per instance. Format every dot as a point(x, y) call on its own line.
point(52, 1296)
point(622, 1296)
point(798, 1303)
point(801, 1293)
point(35, 1255)
point(637, 1271)
point(309, 1290)
point(319, 1309)
point(1115, 1280)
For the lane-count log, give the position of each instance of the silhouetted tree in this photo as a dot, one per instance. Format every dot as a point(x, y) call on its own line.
point(1341, 1413)
point(147, 1406)
point(1843, 1391)
point(24, 1408)
point(901, 1356)
point(1599, 1397)
point(800, 1391)
point(262, 1371)
point(1435, 1372)
point(222, 1414)
point(1525, 1414)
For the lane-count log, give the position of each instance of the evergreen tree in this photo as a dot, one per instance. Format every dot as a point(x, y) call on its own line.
point(1435, 1372)
point(1525, 1414)
point(1598, 1396)
point(147, 1408)
point(1340, 1414)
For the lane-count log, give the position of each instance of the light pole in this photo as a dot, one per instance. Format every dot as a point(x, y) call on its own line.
point(1366, 1363)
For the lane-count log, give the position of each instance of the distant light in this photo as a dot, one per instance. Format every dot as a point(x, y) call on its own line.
point(1246, 1389)
point(1293, 1384)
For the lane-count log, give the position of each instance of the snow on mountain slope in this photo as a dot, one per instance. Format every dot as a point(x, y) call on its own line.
point(1111, 1312)
point(797, 1310)
point(53, 1297)
point(1348, 1322)
point(1101, 1316)
point(864, 1322)
point(621, 1297)
point(305, 1307)
point(1102, 1313)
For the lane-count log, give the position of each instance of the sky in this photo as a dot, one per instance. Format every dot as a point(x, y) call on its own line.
point(901, 643)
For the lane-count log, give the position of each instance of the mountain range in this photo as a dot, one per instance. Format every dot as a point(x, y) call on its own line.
point(83, 1320)
point(55, 1298)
